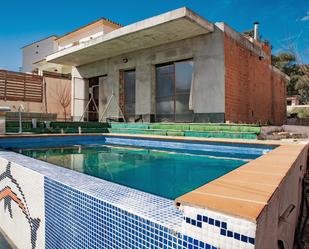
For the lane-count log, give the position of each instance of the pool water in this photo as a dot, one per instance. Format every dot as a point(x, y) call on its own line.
point(169, 174)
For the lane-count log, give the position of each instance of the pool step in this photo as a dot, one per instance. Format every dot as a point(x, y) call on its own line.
point(190, 127)
point(212, 134)
point(221, 134)
point(129, 125)
point(137, 131)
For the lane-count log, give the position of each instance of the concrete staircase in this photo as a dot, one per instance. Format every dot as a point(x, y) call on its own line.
point(188, 130)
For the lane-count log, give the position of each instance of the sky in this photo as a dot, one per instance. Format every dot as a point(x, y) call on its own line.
point(22, 22)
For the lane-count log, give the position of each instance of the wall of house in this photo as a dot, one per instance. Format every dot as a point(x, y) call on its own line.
point(255, 91)
point(58, 90)
point(36, 52)
point(207, 53)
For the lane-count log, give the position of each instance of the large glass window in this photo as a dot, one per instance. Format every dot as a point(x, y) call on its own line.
point(173, 84)
point(129, 92)
point(165, 92)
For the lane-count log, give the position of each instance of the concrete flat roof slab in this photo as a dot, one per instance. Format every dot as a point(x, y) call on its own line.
point(172, 26)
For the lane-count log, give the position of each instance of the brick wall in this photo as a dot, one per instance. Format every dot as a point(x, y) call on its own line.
point(254, 91)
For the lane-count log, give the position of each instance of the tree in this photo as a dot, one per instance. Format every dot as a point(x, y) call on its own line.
point(286, 62)
point(63, 93)
point(290, 64)
point(302, 83)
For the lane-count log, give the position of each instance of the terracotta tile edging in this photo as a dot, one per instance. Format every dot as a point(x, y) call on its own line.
point(245, 192)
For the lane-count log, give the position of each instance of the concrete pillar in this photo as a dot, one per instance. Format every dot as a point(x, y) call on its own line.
point(80, 97)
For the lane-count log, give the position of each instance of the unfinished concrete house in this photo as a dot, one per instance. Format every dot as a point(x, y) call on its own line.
point(175, 67)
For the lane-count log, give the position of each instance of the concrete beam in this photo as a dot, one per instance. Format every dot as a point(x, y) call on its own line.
point(172, 26)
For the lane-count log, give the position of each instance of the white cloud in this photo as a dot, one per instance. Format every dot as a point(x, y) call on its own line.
point(306, 17)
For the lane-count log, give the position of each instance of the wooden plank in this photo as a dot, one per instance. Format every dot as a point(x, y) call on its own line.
point(20, 86)
point(5, 86)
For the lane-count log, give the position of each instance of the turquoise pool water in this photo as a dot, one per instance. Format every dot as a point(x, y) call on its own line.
point(165, 173)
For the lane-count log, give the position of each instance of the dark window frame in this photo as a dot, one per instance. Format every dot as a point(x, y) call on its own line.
point(123, 102)
point(174, 115)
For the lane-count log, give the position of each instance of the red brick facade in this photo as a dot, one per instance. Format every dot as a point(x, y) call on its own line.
point(254, 91)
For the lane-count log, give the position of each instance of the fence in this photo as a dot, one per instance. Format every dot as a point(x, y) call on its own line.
point(20, 86)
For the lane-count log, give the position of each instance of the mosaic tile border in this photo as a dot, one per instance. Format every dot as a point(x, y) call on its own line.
point(22, 198)
point(8, 195)
point(223, 231)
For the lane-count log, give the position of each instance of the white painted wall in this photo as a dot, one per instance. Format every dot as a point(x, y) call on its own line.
point(80, 37)
point(80, 97)
point(36, 52)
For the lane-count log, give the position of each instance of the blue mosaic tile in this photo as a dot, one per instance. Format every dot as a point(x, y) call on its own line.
point(77, 220)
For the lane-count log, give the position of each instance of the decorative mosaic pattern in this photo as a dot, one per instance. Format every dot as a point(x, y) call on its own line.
point(221, 230)
point(17, 206)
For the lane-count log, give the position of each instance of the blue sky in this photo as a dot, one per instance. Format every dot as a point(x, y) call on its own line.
point(22, 22)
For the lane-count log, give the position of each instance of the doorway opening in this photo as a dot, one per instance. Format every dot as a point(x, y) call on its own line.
point(92, 114)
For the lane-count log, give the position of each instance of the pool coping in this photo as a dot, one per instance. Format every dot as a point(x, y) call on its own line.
point(236, 199)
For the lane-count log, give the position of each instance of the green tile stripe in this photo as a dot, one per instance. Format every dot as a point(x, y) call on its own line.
point(137, 131)
point(129, 125)
point(238, 135)
point(190, 127)
point(178, 127)
point(232, 128)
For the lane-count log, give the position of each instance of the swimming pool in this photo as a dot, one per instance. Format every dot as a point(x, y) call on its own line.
point(165, 168)
point(118, 191)
point(165, 173)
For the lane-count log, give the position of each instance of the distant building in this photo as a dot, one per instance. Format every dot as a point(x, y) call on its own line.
point(37, 51)
point(293, 100)
point(34, 54)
